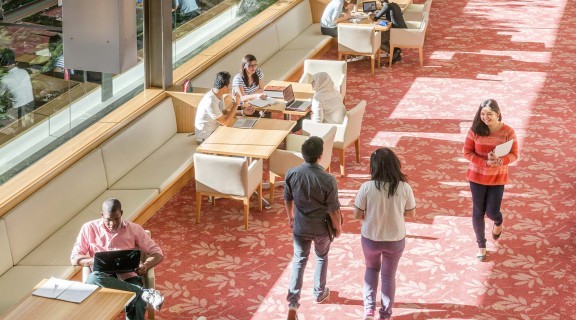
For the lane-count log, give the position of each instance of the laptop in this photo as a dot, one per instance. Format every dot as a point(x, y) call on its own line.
point(245, 123)
point(369, 6)
point(118, 261)
point(291, 103)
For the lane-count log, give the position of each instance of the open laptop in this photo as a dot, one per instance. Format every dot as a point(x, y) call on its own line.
point(118, 261)
point(245, 123)
point(369, 6)
point(291, 103)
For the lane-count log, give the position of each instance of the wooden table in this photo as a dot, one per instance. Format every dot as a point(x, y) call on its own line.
point(368, 21)
point(258, 142)
point(302, 91)
point(102, 304)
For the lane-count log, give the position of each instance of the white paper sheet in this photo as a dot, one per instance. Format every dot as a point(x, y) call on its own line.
point(65, 290)
point(52, 288)
point(504, 148)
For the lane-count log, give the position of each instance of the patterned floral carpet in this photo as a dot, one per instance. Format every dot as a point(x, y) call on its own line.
point(520, 53)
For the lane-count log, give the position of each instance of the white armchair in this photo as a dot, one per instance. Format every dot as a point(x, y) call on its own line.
point(360, 40)
point(149, 280)
point(415, 12)
point(347, 133)
point(282, 160)
point(409, 38)
point(337, 70)
point(228, 177)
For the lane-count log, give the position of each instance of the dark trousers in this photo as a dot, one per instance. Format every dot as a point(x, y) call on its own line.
point(137, 308)
point(486, 200)
point(333, 32)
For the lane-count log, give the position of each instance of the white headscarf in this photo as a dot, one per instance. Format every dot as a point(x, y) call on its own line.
point(322, 82)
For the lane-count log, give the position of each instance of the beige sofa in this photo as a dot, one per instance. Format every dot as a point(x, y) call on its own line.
point(136, 165)
point(281, 47)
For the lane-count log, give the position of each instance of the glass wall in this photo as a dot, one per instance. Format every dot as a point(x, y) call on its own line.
point(49, 103)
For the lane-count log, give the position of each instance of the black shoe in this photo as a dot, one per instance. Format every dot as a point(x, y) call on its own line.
point(397, 56)
point(396, 60)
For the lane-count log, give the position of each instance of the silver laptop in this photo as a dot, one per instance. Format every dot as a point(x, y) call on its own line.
point(291, 103)
point(369, 6)
point(245, 123)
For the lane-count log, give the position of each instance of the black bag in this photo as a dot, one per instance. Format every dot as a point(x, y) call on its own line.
point(331, 230)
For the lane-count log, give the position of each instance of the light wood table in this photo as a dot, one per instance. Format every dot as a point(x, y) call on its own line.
point(365, 20)
point(258, 142)
point(102, 304)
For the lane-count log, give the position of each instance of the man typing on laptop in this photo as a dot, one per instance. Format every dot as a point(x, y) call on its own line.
point(110, 233)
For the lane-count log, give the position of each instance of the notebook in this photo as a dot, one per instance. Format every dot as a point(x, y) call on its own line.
point(119, 261)
point(291, 103)
point(369, 6)
point(245, 123)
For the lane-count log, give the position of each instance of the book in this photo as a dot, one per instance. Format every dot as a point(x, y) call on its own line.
point(261, 103)
point(504, 148)
point(65, 290)
point(275, 91)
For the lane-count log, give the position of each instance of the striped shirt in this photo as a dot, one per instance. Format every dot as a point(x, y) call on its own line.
point(476, 149)
point(239, 82)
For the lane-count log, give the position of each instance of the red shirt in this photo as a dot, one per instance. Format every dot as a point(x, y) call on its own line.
point(95, 237)
point(476, 149)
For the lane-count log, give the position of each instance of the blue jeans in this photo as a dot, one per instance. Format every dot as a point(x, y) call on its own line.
point(302, 246)
point(381, 257)
point(137, 308)
point(485, 200)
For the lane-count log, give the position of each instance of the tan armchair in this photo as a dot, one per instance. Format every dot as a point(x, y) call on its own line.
point(347, 133)
point(337, 70)
point(228, 177)
point(360, 40)
point(415, 12)
point(149, 280)
point(282, 160)
point(409, 38)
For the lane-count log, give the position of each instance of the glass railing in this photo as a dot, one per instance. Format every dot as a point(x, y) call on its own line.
point(63, 102)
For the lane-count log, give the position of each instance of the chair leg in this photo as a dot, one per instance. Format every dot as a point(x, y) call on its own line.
point(272, 184)
point(421, 53)
point(339, 56)
point(260, 196)
point(357, 145)
point(198, 206)
point(342, 164)
point(246, 211)
point(379, 52)
point(150, 313)
point(391, 55)
point(372, 63)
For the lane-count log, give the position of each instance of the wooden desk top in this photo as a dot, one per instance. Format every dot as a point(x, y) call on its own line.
point(258, 142)
point(102, 304)
point(368, 21)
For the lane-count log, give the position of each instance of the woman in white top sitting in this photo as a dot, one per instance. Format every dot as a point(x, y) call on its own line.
point(327, 102)
point(382, 203)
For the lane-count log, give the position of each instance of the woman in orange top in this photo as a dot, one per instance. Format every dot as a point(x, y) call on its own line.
point(488, 173)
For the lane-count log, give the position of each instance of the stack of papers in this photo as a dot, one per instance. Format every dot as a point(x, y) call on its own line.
point(65, 290)
point(261, 103)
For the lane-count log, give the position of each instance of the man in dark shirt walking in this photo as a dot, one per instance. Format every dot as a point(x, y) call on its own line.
point(310, 197)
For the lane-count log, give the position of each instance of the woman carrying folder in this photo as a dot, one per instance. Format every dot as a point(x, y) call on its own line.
point(488, 172)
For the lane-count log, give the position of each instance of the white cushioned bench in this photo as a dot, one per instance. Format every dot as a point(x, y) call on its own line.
point(135, 165)
point(281, 47)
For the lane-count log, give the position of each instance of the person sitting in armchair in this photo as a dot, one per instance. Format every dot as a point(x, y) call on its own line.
point(111, 232)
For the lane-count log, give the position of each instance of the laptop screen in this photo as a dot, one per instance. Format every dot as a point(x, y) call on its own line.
point(288, 94)
point(369, 6)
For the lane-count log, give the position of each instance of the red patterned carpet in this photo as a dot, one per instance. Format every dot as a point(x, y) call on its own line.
point(520, 53)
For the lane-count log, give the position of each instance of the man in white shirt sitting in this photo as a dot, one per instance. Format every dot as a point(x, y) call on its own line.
point(211, 111)
point(332, 15)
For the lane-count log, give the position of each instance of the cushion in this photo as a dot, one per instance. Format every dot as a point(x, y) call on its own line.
point(294, 22)
point(311, 38)
point(5, 253)
point(162, 167)
point(49, 208)
point(56, 249)
point(129, 147)
point(18, 282)
point(285, 63)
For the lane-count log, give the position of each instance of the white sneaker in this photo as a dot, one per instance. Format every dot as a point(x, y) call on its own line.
point(153, 298)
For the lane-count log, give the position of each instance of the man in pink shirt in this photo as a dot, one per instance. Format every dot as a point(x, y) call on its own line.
point(109, 233)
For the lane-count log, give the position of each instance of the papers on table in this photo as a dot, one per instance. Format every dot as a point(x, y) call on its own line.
point(504, 148)
point(261, 103)
point(65, 290)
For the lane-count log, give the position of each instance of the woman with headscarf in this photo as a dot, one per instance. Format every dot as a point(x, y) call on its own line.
point(327, 102)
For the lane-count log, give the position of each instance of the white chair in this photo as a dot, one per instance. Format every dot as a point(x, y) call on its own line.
point(337, 70)
point(360, 40)
point(415, 12)
point(149, 280)
point(282, 160)
point(227, 177)
point(347, 133)
point(409, 38)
